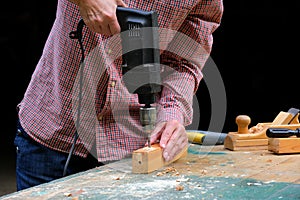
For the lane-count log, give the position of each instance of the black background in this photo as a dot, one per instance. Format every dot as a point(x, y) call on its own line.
point(255, 50)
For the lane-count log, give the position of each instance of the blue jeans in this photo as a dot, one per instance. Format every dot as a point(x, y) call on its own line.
point(37, 164)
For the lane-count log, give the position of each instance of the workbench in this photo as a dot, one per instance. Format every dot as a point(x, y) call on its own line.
point(207, 172)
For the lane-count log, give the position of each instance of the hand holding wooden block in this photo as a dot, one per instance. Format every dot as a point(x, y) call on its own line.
point(149, 159)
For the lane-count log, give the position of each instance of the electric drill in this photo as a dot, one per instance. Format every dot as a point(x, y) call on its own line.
point(140, 60)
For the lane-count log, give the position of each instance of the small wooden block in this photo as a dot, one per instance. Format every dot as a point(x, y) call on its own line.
point(146, 160)
point(284, 145)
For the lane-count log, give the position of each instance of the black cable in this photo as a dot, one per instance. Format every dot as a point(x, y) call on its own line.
point(77, 35)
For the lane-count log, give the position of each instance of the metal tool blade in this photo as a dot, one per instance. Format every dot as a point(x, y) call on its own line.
point(294, 112)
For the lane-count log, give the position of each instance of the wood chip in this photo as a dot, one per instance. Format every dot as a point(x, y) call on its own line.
point(159, 174)
point(167, 171)
point(67, 194)
point(203, 172)
point(179, 187)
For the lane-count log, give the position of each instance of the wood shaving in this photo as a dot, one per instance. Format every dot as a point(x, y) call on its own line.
point(167, 171)
point(203, 172)
point(256, 129)
point(67, 194)
point(170, 169)
point(182, 180)
point(221, 173)
point(179, 187)
point(159, 174)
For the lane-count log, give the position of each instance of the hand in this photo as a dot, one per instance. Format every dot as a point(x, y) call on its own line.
point(100, 15)
point(173, 138)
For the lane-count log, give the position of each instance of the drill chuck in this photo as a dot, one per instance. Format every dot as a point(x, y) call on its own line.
point(148, 118)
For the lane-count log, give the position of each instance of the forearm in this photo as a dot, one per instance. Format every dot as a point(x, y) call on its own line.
point(178, 86)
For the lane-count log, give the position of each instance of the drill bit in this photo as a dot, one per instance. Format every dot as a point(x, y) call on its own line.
point(148, 140)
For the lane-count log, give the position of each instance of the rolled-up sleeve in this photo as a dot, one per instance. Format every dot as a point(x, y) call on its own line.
point(184, 58)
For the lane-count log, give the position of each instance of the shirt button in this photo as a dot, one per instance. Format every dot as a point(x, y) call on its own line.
point(113, 84)
point(100, 117)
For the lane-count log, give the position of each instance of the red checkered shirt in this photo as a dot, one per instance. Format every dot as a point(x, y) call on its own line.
point(109, 114)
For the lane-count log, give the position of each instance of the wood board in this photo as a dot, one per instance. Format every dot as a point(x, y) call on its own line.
point(205, 173)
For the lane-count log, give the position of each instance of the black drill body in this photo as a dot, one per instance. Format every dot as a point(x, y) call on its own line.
point(141, 60)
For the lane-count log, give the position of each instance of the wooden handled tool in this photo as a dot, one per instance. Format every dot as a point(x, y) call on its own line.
point(282, 132)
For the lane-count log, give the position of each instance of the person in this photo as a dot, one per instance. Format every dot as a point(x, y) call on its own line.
point(46, 121)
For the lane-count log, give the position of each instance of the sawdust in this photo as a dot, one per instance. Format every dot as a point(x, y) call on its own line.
point(169, 170)
point(179, 187)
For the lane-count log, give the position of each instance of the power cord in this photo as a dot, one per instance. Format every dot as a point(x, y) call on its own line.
point(77, 35)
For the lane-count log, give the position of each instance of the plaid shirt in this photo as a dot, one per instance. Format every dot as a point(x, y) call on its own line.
point(109, 114)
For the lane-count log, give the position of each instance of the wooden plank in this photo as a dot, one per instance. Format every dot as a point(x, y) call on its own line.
point(146, 160)
point(284, 145)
